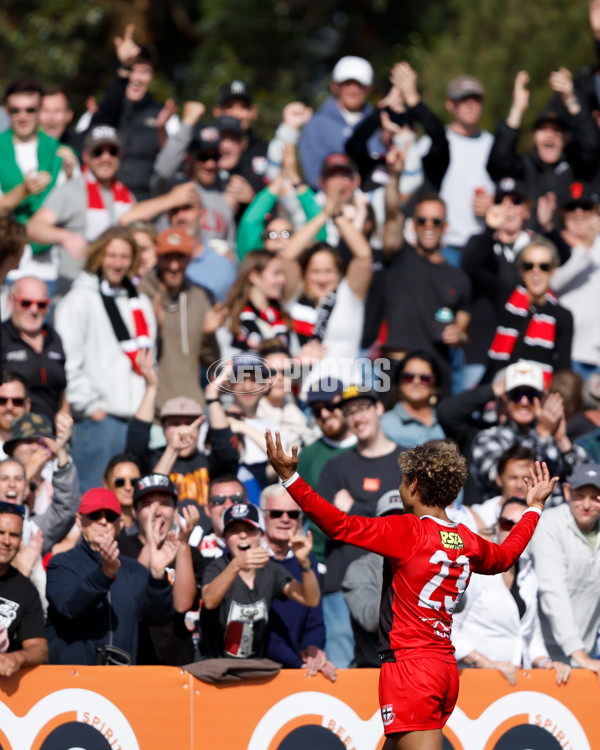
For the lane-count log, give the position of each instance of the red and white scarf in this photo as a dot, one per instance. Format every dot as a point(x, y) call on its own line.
point(534, 331)
point(98, 218)
point(129, 344)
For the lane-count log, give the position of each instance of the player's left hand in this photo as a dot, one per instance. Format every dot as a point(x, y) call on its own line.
point(285, 466)
point(539, 486)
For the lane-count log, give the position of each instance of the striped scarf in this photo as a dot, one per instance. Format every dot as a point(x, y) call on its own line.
point(130, 345)
point(310, 320)
point(257, 326)
point(524, 328)
point(97, 217)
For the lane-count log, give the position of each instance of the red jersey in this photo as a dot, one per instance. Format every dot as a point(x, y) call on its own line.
point(428, 564)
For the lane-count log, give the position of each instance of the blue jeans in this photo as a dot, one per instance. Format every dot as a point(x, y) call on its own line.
point(94, 444)
point(339, 638)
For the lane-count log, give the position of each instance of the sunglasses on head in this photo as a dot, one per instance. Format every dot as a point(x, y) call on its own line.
point(293, 515)
point(236, 498)
point(519, 393)
point(17, 110)
point(506, 524)
point(422, 220)
point(410, 377)
point(99, 150)
point(42, 304)
point(122, 481)
point(96, 515)
point(15, 401)
point(12, 508)
point(527, 266)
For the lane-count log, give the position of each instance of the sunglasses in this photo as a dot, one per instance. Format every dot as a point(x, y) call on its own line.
point(293, 515)
point(236, 499)
point(436, 221)
point(316, 409)
point(208, 156)
point(410, 377)
point(15, 401)
point(17, 110)
point(520, 393)
point(506, 524)
point(545, 267)
point(110, 515)
point(516, 200)
point(122, 481)
point(99, 150)
point(42, 304)
point(285, 234)
point(12, 508)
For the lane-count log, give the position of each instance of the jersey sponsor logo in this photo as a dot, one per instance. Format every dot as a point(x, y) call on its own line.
point(17, 355)
point(451, 540)
point(387, 714)
point(55, 355)
point(8, 612)
point(371, 484)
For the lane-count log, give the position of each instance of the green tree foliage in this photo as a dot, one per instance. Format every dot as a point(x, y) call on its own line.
point(286, 48)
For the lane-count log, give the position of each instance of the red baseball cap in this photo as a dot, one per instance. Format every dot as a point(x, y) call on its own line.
point(99, 498)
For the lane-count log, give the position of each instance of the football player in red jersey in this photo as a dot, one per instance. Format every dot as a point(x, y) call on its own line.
point(428, 563)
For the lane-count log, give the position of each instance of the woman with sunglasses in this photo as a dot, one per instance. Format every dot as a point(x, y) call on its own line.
point(411, 418)
point(533, 327)
point(104, 324)
point(120, 475)
point(499, 627)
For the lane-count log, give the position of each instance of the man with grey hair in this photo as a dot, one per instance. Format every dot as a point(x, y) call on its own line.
point(296, 632)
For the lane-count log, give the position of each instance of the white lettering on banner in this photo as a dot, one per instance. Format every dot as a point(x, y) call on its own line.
point(91, 708)
point(473, 734)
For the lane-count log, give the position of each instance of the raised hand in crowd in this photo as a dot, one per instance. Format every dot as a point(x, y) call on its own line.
point(185, 435)
point(69, 160)
point(561, 81)
point(549, 414)
point(238, 190)
point(214, 318)
point(296, 115)
point(27, 557)
point(169, 109)
point(520, 100)
point(482, 201)
point(546, 207)
point(126, 48)
point(64, 430)
point(161, 553)
point(192, 113)
point(405, 78)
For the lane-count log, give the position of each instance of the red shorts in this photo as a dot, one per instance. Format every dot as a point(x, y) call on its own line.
point(417, 694)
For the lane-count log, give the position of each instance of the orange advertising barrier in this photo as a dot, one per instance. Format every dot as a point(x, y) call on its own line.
point(143, 708)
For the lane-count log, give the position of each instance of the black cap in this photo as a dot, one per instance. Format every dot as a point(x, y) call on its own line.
point(578, 194)
point(325, 390)
point(235, 90)
point(242, 512)
point(230, 125)
point(549, 116)
point(354, 392)
point(154, 483)
point(510, 186)
point(206, 138)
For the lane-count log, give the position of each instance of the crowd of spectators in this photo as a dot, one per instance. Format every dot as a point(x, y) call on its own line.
point(368, 280)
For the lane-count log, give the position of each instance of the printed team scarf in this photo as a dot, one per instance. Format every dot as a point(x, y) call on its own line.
point(535, 331)
point(141, 339)
point(258, 325)
point(97, 217)
point(310, 320)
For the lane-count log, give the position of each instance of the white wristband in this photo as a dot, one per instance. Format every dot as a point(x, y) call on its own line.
point(291, 480)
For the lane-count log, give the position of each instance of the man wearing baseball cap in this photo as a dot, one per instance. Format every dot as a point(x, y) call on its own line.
point(239, 587)
point(334, 122)
point(566, 556)
point(186, 319)
point(80, 209)
point(97, 598)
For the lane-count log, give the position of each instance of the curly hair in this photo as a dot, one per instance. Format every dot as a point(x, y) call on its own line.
point(97, 248)
point(439, 469)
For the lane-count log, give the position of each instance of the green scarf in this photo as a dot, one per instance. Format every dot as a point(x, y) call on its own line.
point(11, 175)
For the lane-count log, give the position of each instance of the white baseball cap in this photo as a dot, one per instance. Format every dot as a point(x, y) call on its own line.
point(352, 68)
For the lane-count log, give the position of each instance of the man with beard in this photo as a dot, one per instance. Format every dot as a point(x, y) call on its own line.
point(14, 402)
point(425, 299)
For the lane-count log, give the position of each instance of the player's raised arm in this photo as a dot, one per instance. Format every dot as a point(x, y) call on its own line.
point(285, 466)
